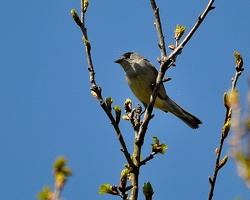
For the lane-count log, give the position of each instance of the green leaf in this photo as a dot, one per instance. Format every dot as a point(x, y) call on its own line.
point(238, 61)
point(179, 31)
point(45, 193)
point(155, 140)
point(157, 147)
point(60, 163)
point(105, 189)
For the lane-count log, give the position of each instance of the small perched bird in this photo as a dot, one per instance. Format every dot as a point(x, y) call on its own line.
point(141, 77)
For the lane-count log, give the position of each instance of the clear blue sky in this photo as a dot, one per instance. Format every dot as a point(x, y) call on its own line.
point(47, 109)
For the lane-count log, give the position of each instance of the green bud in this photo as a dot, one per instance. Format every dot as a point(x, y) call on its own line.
point(234, 97)
point(85, 5)
point(45, 194)
point(109, 102)
point(128, 105)
point(157, 147)
point(60, 163)
point(179, 31)
point(148, 190)
point(223, 162)
point(238, 61)
point(123, 179)
point(226, 128)
point(61, 172)
point(118, 111)
point(226, 100)
point(73, 13)
point(75, 17)
point(60, 179)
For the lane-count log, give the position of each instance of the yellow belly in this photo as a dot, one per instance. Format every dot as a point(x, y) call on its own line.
point(142, 90)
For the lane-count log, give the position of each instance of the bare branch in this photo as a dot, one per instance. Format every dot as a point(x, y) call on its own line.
point(150, 157)
point(159, 28)
point(95, 88)
point(201, 18)
point(165, 63)
point(226, 127)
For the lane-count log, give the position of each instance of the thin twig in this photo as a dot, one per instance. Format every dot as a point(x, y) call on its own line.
point(212, 181)
point(159, 28)
point(201, 18)
point(56, 193)
point(166, 62)
point(150, 157)
point(95, 88)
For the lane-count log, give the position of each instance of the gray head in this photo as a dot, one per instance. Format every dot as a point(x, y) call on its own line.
point(127, 59)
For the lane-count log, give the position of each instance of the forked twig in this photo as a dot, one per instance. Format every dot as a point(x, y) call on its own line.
point(94, 87)
point(167, 61)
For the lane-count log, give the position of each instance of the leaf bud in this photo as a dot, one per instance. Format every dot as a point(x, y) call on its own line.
point(128, 105)
point(125, 117)
point(223, 162)
point(226, 100)
point(94, 94)
point(85, 5)
point(118, 111)
point(148, 190)
point(179, 31)
point(216, 151)
point(171, 46)
point(226, 128)
point(238, 61)
point(109, 102)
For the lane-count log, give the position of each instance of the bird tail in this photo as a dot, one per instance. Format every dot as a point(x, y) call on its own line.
point(186, 117)
point(189, 119)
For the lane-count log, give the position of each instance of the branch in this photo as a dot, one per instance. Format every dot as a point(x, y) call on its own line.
point(150, 157)
point(166, 62)
point(226, 127)
point(201, 18)
point(159, 28)
point(95, 88)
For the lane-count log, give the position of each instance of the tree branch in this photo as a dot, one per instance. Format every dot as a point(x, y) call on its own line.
point(201, 18)
point(150, 157)
point(159, 28)
point(165, 63)
point(226, 127)
point(95, 88)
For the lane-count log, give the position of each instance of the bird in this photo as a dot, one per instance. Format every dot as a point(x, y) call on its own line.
point(141, 76)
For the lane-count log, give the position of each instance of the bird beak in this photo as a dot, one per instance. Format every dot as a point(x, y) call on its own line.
point(118, 61)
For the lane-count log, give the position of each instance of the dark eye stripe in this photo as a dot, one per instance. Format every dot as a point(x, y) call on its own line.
point(127, 55)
